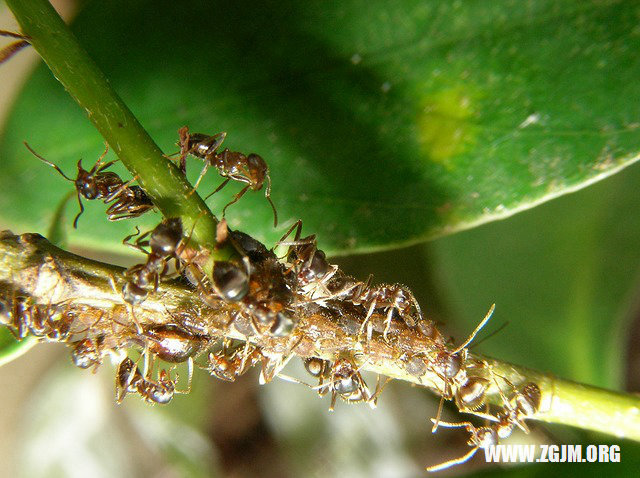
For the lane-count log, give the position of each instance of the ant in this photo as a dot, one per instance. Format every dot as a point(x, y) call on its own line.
point(257, 285)
point(342, 378)
point(228, 365)
point(481, 438)
point(87, 352)
point(7, 52)
point(129, 379)
point(97, 183)
point(451, 367)
point(251, 170)
point(312, 272)
point(523, 404)
point(165, 242)
point(47, 323)
point(527, 403)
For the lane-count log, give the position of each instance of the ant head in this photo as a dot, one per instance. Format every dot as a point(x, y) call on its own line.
point(449, 364)
point(85, 183)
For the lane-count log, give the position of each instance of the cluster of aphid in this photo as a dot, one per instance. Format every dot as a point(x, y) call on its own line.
point(264, 295)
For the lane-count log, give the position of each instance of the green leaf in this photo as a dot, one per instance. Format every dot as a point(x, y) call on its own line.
point(10, 348)
point(565, 277)
point(383, 124)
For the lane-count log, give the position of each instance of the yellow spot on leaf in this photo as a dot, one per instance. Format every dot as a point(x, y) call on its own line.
point(445, 129)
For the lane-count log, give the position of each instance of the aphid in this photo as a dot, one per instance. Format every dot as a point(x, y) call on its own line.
point(481, 438)
point(251, 170)
point(164, 241)
point(8, 51)
point(97, 183)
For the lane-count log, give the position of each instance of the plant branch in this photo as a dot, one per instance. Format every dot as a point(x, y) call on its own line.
point(88, 86)
point(30, 265)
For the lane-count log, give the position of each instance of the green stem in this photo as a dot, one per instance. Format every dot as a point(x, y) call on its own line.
point(89, 87)
point(38, 269)
point(579, 405)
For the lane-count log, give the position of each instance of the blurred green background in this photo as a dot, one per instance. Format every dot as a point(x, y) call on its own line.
point(385, 124)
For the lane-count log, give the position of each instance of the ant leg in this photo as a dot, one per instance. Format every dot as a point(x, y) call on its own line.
point(387, 326)
point(456, 461)
point(139, 244)
point(75, 221)
point(437, 422)
point(123, 187)
point(367, 317)
point(235, 198)
point(223, 184)
point(373, 399)
point(267, 194)
point(202, 173)
point(183, 134)
point(99, 167)
point(7, 52)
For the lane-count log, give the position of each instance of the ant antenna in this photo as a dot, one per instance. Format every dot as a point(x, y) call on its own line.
point(475, 332)
point(488, 336)
point(47, 162)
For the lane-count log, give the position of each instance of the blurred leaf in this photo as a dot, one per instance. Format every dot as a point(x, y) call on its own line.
point(383, 123)
point(564, 275)
point(10, 348)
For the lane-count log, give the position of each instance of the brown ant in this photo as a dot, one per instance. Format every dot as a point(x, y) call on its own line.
point(164, 241)
point(8, 51)
point(315, 276)
point(257, 285)
point(481, 438)
point(342, 378)
point(97, 183)
point(129, 379)
point(87, 352)
point(451, 367)
point(523, 404)
point(312, 272)
point(251, 170)
point(43, 322)
point(228, 365)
